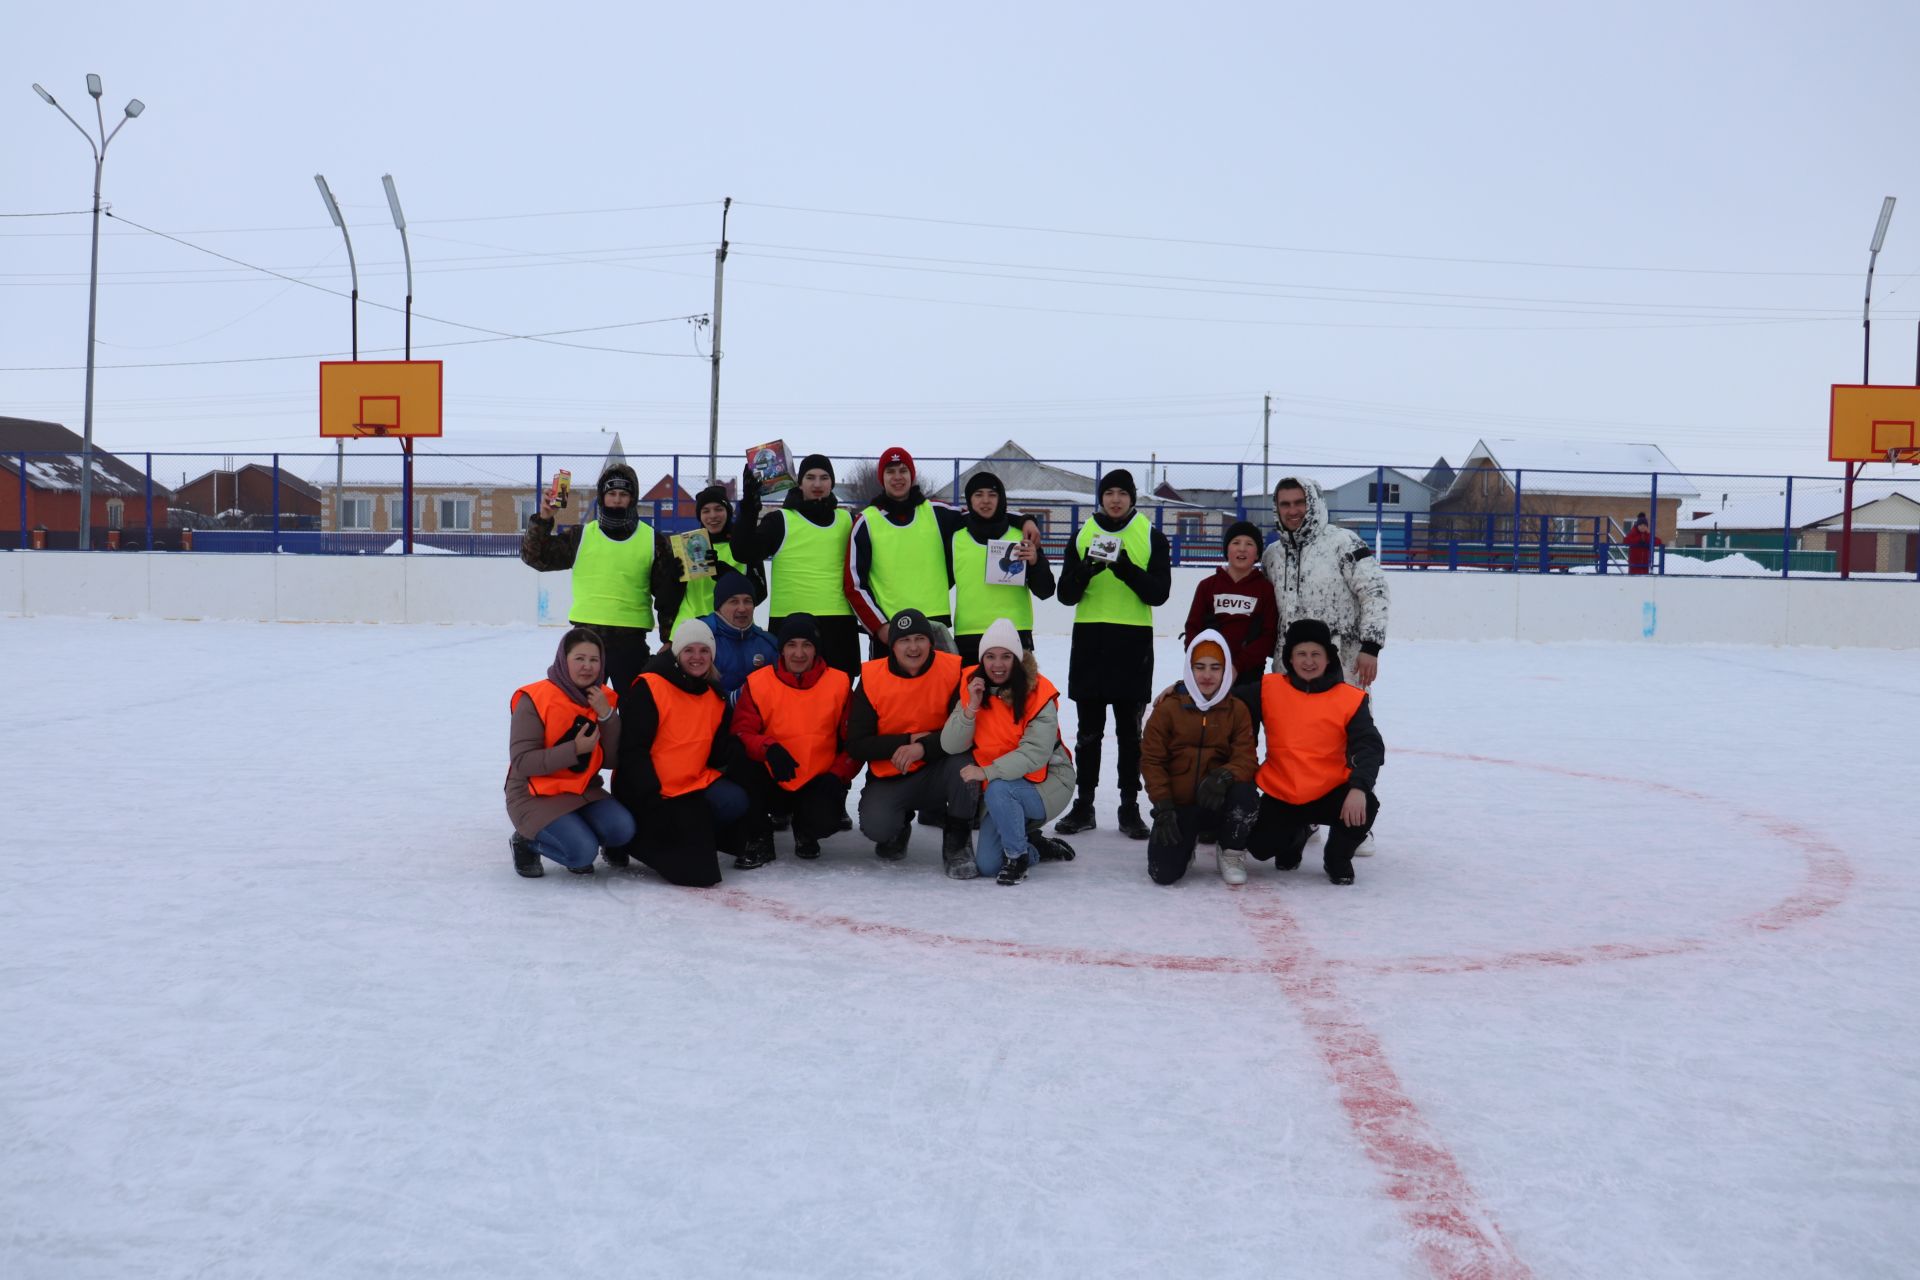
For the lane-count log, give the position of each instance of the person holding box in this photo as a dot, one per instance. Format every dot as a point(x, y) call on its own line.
point(804, 548)
point(987, 530)
point(563, 732)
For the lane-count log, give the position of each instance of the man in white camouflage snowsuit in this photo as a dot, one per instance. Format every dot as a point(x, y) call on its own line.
point(1323, 571)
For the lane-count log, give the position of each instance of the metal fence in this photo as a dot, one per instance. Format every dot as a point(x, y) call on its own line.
point(1480, 519)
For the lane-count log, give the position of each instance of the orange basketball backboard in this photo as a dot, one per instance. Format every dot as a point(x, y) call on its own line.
point(1867, 423)
point(366, 398)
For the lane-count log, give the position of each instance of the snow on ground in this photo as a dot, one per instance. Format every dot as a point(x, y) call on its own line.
point(1613, 1000)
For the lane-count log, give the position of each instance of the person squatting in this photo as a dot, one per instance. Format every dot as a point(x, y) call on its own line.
point(731, 732)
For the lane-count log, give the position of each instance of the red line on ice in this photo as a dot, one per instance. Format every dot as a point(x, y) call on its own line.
point(1453, 1233)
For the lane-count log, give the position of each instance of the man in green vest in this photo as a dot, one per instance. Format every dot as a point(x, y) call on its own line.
point(804, 548)
point(716, 518)
point(987, 533)
point(1116, 570)
point(624, 574)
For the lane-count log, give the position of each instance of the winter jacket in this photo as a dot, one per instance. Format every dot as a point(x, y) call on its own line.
point(1323, 571)
point(1243, 612)
point(1189, 736)
point(531, 757)
point(1110, 661)
point(635, 782)
point(1039, 745)
point(1639, 552)
point(865, 742)
point(1366, 751)
point(738, 653)
point(750, 723)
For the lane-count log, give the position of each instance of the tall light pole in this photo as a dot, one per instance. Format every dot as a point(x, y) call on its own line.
point(1866, 376)
point(133, 108)
point(406, 442)
point(340, 446)
point(713, 405)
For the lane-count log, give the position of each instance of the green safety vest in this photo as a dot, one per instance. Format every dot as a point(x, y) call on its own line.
point(909, 568)
point(613, 581)
point(698, 602)
point(809, 569)
point(976, 604)
point(1108, 599)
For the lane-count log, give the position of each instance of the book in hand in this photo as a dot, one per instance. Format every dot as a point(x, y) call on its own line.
point(1105, 548)
point(1003, 569)
point(694, 551)
point(772, 467)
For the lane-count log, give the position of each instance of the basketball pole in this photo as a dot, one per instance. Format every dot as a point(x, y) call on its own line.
point(713, 406)
point(406, 442)
point(353, 269)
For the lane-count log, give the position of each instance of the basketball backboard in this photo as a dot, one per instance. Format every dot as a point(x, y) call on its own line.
point(1874, 424)
point(366, 398)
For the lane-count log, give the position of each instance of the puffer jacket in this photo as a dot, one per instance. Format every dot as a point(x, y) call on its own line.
point(1189, 736)
point(1323, 571)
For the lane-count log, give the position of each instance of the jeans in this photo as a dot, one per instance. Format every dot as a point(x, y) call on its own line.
point(1011, 804)
point(726, 801)
point(575, 839)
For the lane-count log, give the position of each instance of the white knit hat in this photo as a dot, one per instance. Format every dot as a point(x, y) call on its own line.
point(692, 631)
point(1003, 635)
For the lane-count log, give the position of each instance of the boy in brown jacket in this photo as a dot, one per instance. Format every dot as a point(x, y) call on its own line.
point(1198, 761)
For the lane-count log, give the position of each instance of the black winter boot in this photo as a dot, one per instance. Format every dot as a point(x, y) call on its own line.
point(956, 850)
point(757, 853)
point(1130, 825)
point(1078, 819)
point(894, 849)
point(581, 871)
point(1047, 848)
point(1015, 869)
point(806, 847)
point(616, 858)
point(525, 859)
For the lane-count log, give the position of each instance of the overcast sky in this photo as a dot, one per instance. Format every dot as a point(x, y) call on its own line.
point(1413, 224)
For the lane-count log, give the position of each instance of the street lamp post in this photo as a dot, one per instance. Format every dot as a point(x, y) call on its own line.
point(1866, 376)
point(133, 108)
point(406, 442)
point(353, 269)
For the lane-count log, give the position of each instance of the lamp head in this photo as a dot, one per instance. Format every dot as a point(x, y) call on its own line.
point(45, 96)
point(134, 108)
point(1880, 231)
point(326, 194)
point(93, 85)
point(393, 202)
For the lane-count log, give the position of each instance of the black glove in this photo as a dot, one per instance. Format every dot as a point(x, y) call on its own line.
point(781, 764)
point(1212, 792)
point(1166, 826)
point(1125, 569)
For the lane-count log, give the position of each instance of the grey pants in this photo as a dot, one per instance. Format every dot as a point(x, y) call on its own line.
point(888, 804)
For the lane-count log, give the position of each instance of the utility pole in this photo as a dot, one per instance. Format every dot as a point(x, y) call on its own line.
point(1266, 446)
point(713, 407)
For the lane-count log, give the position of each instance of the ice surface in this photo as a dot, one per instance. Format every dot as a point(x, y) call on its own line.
point(1629, 991)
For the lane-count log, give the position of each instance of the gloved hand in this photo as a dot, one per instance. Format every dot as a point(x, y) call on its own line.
point(1166, 826)
point(1212, 791)
point(781, 764)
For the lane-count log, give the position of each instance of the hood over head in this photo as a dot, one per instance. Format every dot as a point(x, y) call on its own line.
point(1225, 691)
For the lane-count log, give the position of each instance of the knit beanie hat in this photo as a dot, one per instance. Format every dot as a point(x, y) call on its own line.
point(799, 626)
point(712, 493)
point(985, 480)
point(1309, 630)
point(1002, 634)
point(692, 631)
point(894, 453)
point(1119, 478)
point(617, 477)
point(1242, 529)
point(908, 622)
point(817, 462)
point(731, 583)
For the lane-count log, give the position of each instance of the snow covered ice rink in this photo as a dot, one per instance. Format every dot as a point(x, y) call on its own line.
point(1629, 991)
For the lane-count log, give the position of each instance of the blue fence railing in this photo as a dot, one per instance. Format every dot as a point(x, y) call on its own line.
point(1479, 518)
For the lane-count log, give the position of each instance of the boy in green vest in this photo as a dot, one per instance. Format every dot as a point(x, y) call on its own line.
point(804, 548)
point(1111, 664)
point(984, 531)
point(624, 574)
point(715, 514)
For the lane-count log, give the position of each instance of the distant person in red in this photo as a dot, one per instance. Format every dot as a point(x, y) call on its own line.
point(1237, 601)
point(1640, 545)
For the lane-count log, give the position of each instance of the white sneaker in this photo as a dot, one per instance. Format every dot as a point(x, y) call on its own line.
point(1233, 865)
point(1366, 849)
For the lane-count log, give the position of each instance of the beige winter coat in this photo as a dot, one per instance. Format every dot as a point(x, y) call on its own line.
point(1039, 745)
point(529, 756)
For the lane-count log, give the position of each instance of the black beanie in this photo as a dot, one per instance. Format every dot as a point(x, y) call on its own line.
point(731, 583)
point(817, 460)
point(1309, 630)
point(986, 480)
point(1242, 529)
point(1119, 478)
point(712, 493)
point(800, 626)
point(908, 622)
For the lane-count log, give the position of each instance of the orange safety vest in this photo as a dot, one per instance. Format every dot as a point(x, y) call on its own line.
point(996, 732)
point(1306, 739)
point(563, 719)
point(909, 705)
point(683, 737)
point(804, 721)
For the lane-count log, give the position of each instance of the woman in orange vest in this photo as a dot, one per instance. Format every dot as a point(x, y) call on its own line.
point(1323, 756)
point(893, 724)
point(791, 720)
point(1007, 728)
point(674, 749)
point(563, 731)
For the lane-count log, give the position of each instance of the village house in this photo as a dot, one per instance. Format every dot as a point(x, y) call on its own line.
point(40, 470)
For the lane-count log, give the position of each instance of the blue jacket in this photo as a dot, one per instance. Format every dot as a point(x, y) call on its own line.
point(738, 654)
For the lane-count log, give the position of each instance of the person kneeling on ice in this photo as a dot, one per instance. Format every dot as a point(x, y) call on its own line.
point(1198, 760)
point(894, 720)
point(563, 731)
point(674, 748)
point(790, 719)
point(1323, 756)
point(740, 647)
point(1007, 725)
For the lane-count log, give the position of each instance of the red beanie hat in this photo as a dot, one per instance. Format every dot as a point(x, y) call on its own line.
point(894, 453)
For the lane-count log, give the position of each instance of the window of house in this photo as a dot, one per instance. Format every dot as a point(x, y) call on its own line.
point(397, 512)
point(1392, 491)
point(523, 509)
point(456, 513)
point(356, 513)
point(116, 514)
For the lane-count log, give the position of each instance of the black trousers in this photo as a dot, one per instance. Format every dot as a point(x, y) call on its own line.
point(970, 646)
point(679, 838)
point(1087, 742)
point(1231, 826)
point(815, 808)
point(1281, 829)
point(839, 641)
point(627, 653)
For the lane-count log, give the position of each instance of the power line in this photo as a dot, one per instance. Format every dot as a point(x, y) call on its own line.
point(411, 222)
point(53, 213)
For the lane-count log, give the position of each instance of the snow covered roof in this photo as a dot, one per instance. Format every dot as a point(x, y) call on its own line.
point(1328, 478)
point(1813, 506)
point(473, 460)
point(54, 460)
point(1017, 469)
point(1633, 463)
